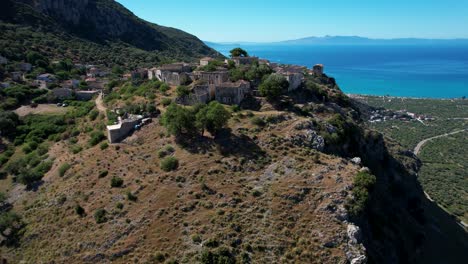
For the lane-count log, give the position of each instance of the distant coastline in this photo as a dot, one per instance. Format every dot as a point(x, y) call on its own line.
point(349, 40)
point(351, 95)
point(412, 71)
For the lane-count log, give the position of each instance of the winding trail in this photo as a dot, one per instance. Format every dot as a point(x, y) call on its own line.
point(100, 104)
point(421, 143)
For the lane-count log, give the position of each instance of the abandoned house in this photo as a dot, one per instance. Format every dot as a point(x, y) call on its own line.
point(205, 61)
point(244, 60)
point(232, 93)
point(211, 78)
point(200, 94)
point(294, 79)
point(172, 74)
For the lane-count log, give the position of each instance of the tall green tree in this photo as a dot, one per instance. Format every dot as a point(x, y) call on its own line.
point(239, 52)
point(212, 117)
point(273, 86)
point(178, 120)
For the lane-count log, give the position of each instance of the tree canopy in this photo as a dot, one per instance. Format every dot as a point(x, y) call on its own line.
point(273, 86)
point(212, 117)
point(178, 120)
point(239, 52)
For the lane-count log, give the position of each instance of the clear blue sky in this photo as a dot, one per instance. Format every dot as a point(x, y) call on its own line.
point(273, 20)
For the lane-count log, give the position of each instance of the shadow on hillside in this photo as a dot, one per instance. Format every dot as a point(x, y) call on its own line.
point(237, 145)
point(34, 186)
point(196, 144)
point(401, 225)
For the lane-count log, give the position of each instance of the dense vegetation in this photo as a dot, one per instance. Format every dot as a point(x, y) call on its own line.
point(33, 134)
point(443, 174)
point(26, 29)
point(180, 120)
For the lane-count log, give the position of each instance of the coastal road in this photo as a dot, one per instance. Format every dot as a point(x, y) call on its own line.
point(420, 144)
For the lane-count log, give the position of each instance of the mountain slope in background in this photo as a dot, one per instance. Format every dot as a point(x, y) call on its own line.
point(92, 31)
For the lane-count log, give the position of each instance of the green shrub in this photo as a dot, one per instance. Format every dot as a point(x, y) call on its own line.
point(116, 182)
point(100, 216)
point(164, 88)
point(159, 257)
point(196, 238)
point(119, 205)
point(76, 149)
point(166, 101)
point(96, 137)
point(131, 196)
point(182, 91)
point(103, 173)
point(167, 150)
point(258, 121)
point(63, 169)
point(104, 145)
point(363, 184)
point(12, 222)
point(79, 210)
point(169, 164)
point(93, 115)
point(257, 193)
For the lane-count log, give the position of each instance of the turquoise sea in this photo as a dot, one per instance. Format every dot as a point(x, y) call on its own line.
point(439, 71)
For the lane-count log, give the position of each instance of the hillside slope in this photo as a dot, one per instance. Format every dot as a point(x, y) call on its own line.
point(93, 31)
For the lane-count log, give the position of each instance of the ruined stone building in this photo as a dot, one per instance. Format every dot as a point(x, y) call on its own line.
point(244, 60)
point(172, 74)
point(294, 79)
point(293, 74)
point(200, 94)
point(318, 69)
point(204, 61)
point(211, 78)
point(232, 93)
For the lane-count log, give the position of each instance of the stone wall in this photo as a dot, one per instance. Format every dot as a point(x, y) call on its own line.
point(232, 93)
point(117, 133)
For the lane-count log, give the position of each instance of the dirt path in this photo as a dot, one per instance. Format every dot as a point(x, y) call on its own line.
point(421, 143)
point(100, 104)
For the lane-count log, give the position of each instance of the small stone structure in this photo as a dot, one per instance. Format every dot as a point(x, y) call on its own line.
point(294, 79)
point(232, 93)
point(116, 133)
point(47, 77)
point(318, 69)
point(63, 93)
point(214, 77)
point(244, 60)
point(85, 95)
point(204, 61)
point(172, 74)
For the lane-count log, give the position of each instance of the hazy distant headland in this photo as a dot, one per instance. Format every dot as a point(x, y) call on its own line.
point(350, 40)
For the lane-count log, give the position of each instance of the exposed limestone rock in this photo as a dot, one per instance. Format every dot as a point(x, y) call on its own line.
point(359, 260)
point(354, 233)
point(307, 138)
point(356, 160)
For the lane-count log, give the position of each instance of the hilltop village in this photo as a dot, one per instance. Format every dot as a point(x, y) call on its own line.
point(227, 81)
